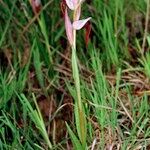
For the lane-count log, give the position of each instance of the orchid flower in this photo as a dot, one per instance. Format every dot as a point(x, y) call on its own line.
point(77, 24)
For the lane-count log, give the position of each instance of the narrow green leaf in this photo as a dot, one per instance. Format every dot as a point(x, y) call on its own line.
point(75, 141)
point(38, 66)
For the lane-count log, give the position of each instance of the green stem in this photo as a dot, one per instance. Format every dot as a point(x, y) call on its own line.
point(76, 77)
point(80, 116)
point(75, 66)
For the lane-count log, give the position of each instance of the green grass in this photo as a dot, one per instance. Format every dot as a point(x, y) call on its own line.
point(37, 110)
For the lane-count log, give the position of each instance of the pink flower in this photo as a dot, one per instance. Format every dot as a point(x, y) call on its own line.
point(77, 24)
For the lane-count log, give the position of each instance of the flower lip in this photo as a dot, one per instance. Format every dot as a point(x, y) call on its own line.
point(77, 25)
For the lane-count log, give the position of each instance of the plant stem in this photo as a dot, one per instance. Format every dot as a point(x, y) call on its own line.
point(75, 66)
point(80, 115)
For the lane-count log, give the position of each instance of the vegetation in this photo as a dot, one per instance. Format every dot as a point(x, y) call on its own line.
point(38, 108)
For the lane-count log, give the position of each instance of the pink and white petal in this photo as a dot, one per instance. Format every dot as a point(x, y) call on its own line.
point(70, 4)
point(75, 2)
point(77, 25)
point(69, 28)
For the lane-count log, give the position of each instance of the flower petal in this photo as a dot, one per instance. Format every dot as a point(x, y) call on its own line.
point(77, 25)
point(70, 4)
point(69, 28)
point(75, 2)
